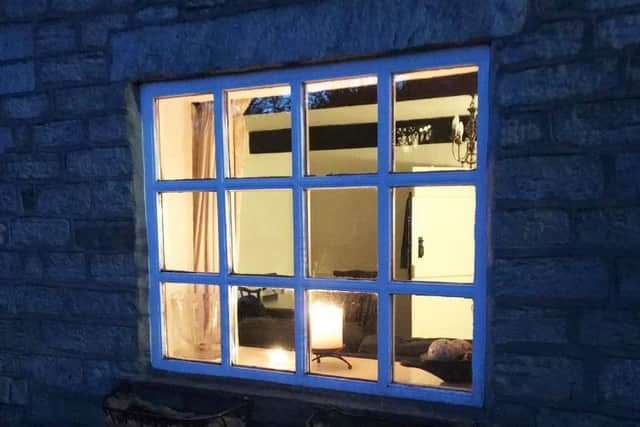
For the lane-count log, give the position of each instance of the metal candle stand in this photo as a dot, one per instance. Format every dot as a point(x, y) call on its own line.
point(329, 352)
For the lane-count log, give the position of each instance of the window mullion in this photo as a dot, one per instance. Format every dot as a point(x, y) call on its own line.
point(297, 156)
point(219, 121)
point(385, 119)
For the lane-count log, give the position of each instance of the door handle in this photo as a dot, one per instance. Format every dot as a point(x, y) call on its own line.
point(420, 247)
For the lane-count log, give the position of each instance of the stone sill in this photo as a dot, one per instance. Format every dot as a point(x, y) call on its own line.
point(285, 405)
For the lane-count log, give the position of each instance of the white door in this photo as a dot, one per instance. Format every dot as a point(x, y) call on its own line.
point(442, 234)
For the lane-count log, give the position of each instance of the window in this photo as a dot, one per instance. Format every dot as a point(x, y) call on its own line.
point(323, 226)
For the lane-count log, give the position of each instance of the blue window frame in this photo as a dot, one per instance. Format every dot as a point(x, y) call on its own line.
point(384, 285)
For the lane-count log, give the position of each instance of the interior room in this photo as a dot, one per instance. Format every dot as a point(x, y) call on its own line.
point(433, 226)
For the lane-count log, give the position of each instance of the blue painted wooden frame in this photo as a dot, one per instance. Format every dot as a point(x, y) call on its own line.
point(384, 180)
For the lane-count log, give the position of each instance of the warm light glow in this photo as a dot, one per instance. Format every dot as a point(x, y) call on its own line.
point(342, 84)
point(326, 326)
point(278, 358)
point(437, 72)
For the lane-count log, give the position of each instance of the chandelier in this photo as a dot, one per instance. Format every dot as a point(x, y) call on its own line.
point(463, 145)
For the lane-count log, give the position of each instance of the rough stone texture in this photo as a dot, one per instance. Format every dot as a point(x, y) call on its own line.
point(620, 383)
point(563, 282)
point(560, 177)
point(556, 278)
point(527, 377)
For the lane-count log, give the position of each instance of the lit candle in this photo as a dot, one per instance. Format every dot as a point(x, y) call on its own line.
point(326, 327)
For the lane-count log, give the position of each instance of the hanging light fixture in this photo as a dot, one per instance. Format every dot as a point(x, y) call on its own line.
point(463, 145)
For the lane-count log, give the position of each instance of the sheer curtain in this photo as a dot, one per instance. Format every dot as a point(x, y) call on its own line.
point(239, 137)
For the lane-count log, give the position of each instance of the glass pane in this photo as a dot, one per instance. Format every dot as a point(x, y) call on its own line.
point(189, 223)
point(263, 327)
point(259, 132)
point(184, 137)
point(191, 319)
point(342, 126)
point(343, 334)
point(435, 120)
point(262, 232)
point(433, 341)
point(343, 232)
point(434, 233)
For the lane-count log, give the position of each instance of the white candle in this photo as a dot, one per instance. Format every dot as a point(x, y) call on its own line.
point(326, 326)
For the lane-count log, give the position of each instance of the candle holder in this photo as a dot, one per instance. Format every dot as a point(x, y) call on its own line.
point(319, 353)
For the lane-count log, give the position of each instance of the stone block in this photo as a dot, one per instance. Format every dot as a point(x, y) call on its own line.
point(620, 383)
point(627, 176)
point(33, 268)
point(530, 325)
point(549, 178)
point(524, 130)
point(112, 199)
point(33, 166)
point(42, 301)
point(186, 48)
point(20, 9)
point(89, 100)
point(611, 122)
point(95, 32)
point(75, 5)
point(553, 40)
point(55, 38)
point(16, 78)
point(12, 415)
point(81, 68)
point(65, 134)
point(8, 199)
point(558, 418)
point(35, 233)
point(613, 331)
point(100, 162)
point(64, 200)
point(16, 42)
point(105, 235)
point(542, 378)
point(6, 139)
point(157, 14)
point(61, 372)
point(4, 234)
point(65, 266)
point(99, 377)
point(609, 228)
point(19, 392)
point(7, 303)
point(531, 228)
point(610, 4)
point(618, 31)
point(559, 82)
point(555, 278)
point(628, 278)
point(109, 128)
point(115, 342)
point(25, 107)
point(112, 265)
point(5, 390)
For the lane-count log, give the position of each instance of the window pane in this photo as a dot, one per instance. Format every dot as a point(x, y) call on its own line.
point(191, 319)
point(426, 105)
point(262, 232)
point(434, 339)
point(342, 132)
point(434, 233)
point(342, 334)
point(184, 137)
point(259, 132)
point(343, 232)
point(263, 324)
point(189, 231)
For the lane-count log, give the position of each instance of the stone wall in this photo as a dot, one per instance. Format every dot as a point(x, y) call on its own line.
point(564, 284)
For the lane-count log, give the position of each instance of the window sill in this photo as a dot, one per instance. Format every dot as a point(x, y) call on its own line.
point(279, 404)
